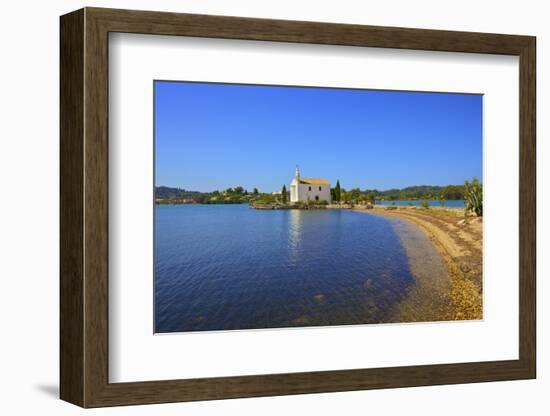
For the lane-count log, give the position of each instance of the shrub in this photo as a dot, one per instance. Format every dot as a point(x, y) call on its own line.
point(425, 204)
point(473, 194)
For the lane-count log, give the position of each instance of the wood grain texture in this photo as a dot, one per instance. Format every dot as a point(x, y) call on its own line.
point(96, 207)
point(162, 23)
point(71, 208)
point(528, 207)
point(84, 207)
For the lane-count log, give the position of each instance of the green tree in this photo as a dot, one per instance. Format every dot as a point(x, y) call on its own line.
point(255, 192)
point(355, 193)
point(338, 191)
point(283, 193)
point(370, 197)
point(200, 199)
point(452, 192)
point(266, 199)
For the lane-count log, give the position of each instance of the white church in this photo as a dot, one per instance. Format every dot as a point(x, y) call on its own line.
point(309, 189)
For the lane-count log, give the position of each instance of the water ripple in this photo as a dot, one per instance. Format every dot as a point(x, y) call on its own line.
point(222, 267)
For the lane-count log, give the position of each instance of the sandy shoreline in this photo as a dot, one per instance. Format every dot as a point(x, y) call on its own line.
point(460, 244)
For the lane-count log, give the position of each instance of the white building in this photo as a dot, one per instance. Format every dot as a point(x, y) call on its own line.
point(309, 189)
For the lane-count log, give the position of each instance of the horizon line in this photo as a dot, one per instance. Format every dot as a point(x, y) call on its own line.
point(356, 187)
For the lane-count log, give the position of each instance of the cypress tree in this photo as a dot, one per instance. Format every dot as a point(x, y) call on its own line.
point(337, 191)
point(283, 192)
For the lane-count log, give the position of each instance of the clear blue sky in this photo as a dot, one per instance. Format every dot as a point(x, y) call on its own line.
point(216, 136)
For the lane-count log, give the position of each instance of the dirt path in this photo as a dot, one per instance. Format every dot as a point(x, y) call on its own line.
point(460, 242)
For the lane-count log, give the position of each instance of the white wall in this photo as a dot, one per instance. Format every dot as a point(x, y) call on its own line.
point(309, 192)
point(29, 228)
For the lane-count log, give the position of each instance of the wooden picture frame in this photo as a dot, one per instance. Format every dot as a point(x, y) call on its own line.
point(84, 207)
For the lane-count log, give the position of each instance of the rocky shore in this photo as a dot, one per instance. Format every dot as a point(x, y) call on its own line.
point(459, 239)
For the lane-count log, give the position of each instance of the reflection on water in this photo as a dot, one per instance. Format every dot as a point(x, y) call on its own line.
point(294, 234)
point(220, 267)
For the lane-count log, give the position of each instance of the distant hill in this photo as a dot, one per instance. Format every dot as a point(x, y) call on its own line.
point(165, 192)
point(413, 191)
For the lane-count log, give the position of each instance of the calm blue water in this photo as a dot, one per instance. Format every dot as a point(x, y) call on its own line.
point(450, 203)
point(222, 267)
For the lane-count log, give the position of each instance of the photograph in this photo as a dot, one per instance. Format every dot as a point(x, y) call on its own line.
point(282, 206)
point(279, 205)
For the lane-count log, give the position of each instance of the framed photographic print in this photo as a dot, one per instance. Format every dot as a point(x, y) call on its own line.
point(255, 207)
